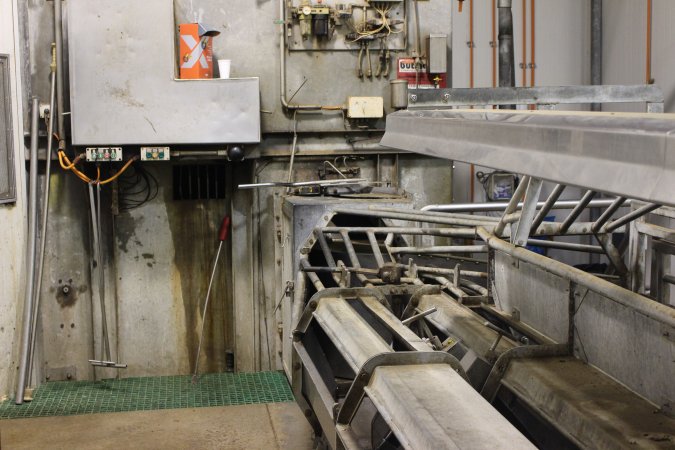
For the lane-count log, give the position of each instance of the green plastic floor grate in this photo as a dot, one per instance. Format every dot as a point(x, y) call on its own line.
point(142, 394)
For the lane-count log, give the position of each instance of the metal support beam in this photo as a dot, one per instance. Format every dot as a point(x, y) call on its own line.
point(550, 95)
point(525, 223)
point(596, 151)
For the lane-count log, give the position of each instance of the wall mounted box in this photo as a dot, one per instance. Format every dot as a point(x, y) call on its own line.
point(195, 56)
point(124, 88)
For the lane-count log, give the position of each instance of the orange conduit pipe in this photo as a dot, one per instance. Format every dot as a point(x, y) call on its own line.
point(533, 36)
point(648, 75)
point(524, 67)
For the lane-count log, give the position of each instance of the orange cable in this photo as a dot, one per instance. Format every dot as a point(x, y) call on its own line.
point(121, 171)
point(524, 38)
point(649, 43)
point(533, 37)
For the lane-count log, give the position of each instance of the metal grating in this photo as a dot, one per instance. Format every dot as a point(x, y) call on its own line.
point(63, 398)
point(7, 185)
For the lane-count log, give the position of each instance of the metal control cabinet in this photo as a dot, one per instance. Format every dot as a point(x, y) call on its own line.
point(123, 85)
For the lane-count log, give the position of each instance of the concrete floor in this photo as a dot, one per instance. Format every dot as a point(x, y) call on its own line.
point(271, 426)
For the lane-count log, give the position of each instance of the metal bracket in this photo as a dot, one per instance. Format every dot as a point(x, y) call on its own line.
point(493, 382)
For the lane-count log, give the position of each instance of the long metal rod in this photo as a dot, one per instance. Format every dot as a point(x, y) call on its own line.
point(513, 204)
point(618, 223)
point(546, 229)
point(609, 212)
point(60, 102)
point(30, 254)
point(45, 216)
point(642, 305)
point(501, 206)
point(576, 212)
point(439, 249)
point(566, 246)
point(206, 306)
point(318, 285)
point(549, 204)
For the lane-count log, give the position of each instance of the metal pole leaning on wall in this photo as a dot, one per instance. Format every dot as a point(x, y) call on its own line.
point(32, 245)
point(45, 216)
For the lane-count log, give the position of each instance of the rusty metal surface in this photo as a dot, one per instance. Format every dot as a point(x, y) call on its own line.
point(596, 411)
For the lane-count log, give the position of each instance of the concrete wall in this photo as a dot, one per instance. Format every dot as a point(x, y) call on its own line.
point(12, 216)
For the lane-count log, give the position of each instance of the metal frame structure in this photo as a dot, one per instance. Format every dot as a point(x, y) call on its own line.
point(545, 97)
point(378, 288)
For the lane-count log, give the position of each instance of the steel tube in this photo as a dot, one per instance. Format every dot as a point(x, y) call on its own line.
point(440, 249)
point(576, 212)
point(618, 223)
point(449, 285)
point(30, 254)
point(501, 206)
point(546, 229)
point(566, 246)
point(624, 297)
point(550, 203)
point(45, 216)
point(609, 212)
point(312, 276)
point(513, 204)
point(60, 102)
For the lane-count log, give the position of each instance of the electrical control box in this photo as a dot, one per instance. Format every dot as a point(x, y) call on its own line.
point(155, 154)
point(437, 53)
point(104, 154)
point(365, 108)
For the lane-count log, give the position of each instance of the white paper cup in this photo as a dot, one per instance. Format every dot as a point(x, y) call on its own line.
point(224, 68)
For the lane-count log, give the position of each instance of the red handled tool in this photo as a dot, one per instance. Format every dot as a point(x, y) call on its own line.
point(223, 234)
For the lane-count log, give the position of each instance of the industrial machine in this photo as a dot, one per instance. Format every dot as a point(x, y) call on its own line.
point(401, 324)
point(398, 344)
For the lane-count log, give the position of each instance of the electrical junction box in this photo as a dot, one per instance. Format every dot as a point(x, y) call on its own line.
point(155, 154)
point(104, 154)
point(437, 53)
point(365, 108)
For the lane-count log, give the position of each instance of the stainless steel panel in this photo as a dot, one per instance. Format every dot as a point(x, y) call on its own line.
point(632, 155)
point(7, 184)
point(124, 88)
point(431, 406)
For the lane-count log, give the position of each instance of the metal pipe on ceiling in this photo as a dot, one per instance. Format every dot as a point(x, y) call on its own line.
point(501, 206)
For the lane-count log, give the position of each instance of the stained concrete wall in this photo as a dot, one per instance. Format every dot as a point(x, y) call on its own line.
point(12, 216)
